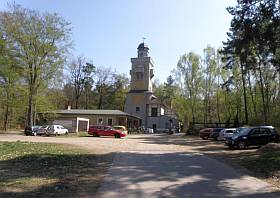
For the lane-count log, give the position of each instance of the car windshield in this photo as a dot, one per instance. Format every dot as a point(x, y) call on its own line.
point(230, 131)
point(217, 130)
point(274, 131)
point(243, 131)
point(119, 128)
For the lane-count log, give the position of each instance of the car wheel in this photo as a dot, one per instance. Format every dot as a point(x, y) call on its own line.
point(241, 145)
point(66, 133)
point(117, 136)
point(205, 137)
point(275, 141)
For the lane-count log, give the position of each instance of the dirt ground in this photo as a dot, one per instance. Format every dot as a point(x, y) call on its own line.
point(108, 146)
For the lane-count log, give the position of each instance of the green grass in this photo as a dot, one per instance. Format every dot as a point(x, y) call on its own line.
point(10, 150)
point(48, 170)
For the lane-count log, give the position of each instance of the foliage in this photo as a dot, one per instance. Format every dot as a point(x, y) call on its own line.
point(81, 73)
point(39, 42)
point(252, 45)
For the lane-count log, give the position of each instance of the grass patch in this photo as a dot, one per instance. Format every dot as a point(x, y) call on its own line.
point(49, 170)
point(266, 164)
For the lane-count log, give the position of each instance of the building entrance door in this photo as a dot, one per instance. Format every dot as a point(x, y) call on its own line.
point(154, 127)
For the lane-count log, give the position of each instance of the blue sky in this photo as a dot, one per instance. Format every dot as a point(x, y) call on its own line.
point(109, 31)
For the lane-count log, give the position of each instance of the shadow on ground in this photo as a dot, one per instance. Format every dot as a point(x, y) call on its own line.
point(241, 159)
point(52, 175)
point(156, 174)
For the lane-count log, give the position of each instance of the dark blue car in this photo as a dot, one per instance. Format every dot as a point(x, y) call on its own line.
point(253, 136)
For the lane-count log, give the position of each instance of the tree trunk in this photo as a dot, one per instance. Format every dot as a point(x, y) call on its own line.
point(217, 99)
point(86, 101)
point(262, 93)
point(252, 98)
point(6, 117)
point(100, 102)
point(76, 102)
point(30, 107)
point(244, 94)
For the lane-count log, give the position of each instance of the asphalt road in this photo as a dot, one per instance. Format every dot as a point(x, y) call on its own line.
point(177, 174)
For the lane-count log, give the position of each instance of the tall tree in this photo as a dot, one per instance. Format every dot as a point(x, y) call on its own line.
point(189, 69)
point(9, 80)
point(253, 39)
point(81, 78)
point(210, 70)
point(103, 85)
point(166, 92)
point(41, 42)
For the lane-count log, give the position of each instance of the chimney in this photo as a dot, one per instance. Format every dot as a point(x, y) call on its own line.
point(69, 107)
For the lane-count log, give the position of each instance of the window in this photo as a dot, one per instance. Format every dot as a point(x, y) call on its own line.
point(137, 109)
point(151, 73)
point(264, 131)
point(100, 121)
point(255, 132)
point(154, 112)
point(110, 121)
point(139, 75)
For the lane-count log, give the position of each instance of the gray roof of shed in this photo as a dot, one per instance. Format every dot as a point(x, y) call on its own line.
point(95, 112)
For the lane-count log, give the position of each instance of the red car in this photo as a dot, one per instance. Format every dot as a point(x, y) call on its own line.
point(205, 133)
point(105, 131)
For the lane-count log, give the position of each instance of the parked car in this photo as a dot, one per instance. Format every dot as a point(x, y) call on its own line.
point(105, 131)
point(205, 133)
point(226, 133)
point(121, 128)
point(215, 133)
point(42, 130)
point(253, 136)
point(56, 130)
point(31, 130)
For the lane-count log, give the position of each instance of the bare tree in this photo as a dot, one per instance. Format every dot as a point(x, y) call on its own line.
point(80, 77)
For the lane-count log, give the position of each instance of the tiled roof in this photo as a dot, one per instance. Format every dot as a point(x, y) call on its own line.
point(94, 112)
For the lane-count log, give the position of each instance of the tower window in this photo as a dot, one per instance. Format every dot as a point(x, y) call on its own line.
point(151, 73)
point(154, 112)
point(139, 75)
point(137, 109)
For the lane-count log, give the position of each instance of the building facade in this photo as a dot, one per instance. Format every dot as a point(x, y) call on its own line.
point(80, 119)
point(141, 101)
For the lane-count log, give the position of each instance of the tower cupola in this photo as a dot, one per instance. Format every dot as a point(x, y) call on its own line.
point(143, 50)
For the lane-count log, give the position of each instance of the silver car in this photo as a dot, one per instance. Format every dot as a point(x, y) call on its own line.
point(56, 130)
point(227, 133)
point(42, 130)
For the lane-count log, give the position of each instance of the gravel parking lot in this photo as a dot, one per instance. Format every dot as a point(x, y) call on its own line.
point(143, 142)
point(103, 145)
point(165, 145)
